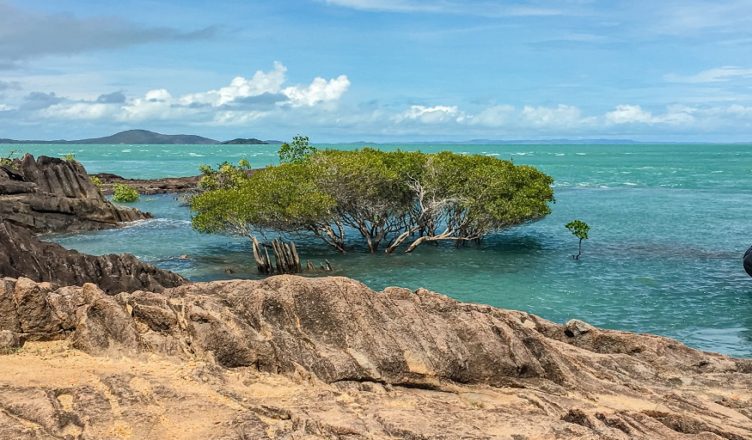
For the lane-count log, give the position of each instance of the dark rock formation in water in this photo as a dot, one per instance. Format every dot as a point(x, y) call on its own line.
point(24, 255)
point(748, 261)
point(54, 195)
point(291, 357)
point(166, 185)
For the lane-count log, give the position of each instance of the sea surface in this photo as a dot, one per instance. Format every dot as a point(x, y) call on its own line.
point(669, 225)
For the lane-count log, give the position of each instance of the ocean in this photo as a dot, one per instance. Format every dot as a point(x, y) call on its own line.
point(669, 224)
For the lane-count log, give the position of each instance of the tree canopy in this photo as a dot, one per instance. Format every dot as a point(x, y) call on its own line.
point(387, 198)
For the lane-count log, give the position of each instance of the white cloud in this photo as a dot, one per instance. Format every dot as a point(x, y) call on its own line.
point(634, 114)
point(320, 90)
point(739, 110)
point(158, 95)
point(232, 104)
point(559, 116)
point(431, 115)
point(718, 74)
point(494, 116)
point(236, 117)
point(80, 110)
point(6, 108)
point(629, 114)
point(260, 83)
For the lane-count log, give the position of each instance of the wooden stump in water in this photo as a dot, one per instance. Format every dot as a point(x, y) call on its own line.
point(286, 258)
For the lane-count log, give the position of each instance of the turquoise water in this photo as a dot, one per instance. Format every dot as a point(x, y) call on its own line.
point(669, 224)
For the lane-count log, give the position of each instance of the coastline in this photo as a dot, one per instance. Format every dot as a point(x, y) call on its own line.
point(167, 185)
point(290, 356)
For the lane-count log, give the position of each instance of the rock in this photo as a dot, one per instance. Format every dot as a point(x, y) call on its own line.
point(24, 255)
point(293, 357)
point(575, 328)
point(54, 195)
point(9, 342)
point(164, 185)
point(748, 261)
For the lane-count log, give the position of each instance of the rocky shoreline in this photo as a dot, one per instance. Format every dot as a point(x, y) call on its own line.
point(168, 185)
point(293, 357)
point(110, 347)
point(47, 195)
point(53, 195)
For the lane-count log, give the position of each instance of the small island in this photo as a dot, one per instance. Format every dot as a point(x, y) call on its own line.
point(245, 141)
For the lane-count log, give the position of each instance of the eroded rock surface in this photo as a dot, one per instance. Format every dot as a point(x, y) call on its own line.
point(292, 357)
point(54, 195)
point(24, 255)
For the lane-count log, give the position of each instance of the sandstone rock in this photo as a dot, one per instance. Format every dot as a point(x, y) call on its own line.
point(292, 357)
point(575, 328)
point(25, 255)
point(9, 342)
point(54, 195)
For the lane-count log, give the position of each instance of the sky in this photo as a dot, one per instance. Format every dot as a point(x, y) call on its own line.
point(378, 70)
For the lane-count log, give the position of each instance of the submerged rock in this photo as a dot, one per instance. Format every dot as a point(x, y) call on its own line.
point(54, 195)
point(293, 357)
point(24, 255)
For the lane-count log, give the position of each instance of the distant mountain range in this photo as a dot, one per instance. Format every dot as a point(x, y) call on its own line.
point(144, 137)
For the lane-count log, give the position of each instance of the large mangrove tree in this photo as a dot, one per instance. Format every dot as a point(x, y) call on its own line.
point(387, 199)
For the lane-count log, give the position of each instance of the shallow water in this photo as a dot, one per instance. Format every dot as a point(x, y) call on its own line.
point(669, 224)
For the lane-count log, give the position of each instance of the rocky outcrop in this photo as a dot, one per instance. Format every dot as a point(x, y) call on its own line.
point(166, 185)
point(292, 357)
point(54, 195)
point(748, 261)
point(26, 256)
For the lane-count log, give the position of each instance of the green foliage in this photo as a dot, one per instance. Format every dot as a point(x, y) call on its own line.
point(96, 181)
point(124, 193)
point(9, 160)
point(70, 157)
point(296, 151)
point(386, 197)
point(284, 198)
point(579, 229)
point(225, 176)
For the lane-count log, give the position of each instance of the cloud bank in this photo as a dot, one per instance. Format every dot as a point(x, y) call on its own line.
point(25, 34)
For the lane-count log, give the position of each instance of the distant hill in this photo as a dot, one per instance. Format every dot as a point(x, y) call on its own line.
point(147, 137)
point(245, 141)
point(127, 137)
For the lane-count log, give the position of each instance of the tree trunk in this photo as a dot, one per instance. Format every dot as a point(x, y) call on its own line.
point(286, 258)
point(398, 241)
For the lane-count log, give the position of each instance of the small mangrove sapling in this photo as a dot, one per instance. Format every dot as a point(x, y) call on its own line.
point(124, 194)
point(579, 229)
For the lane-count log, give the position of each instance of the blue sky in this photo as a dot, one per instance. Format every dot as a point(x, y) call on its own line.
point(379, 70)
